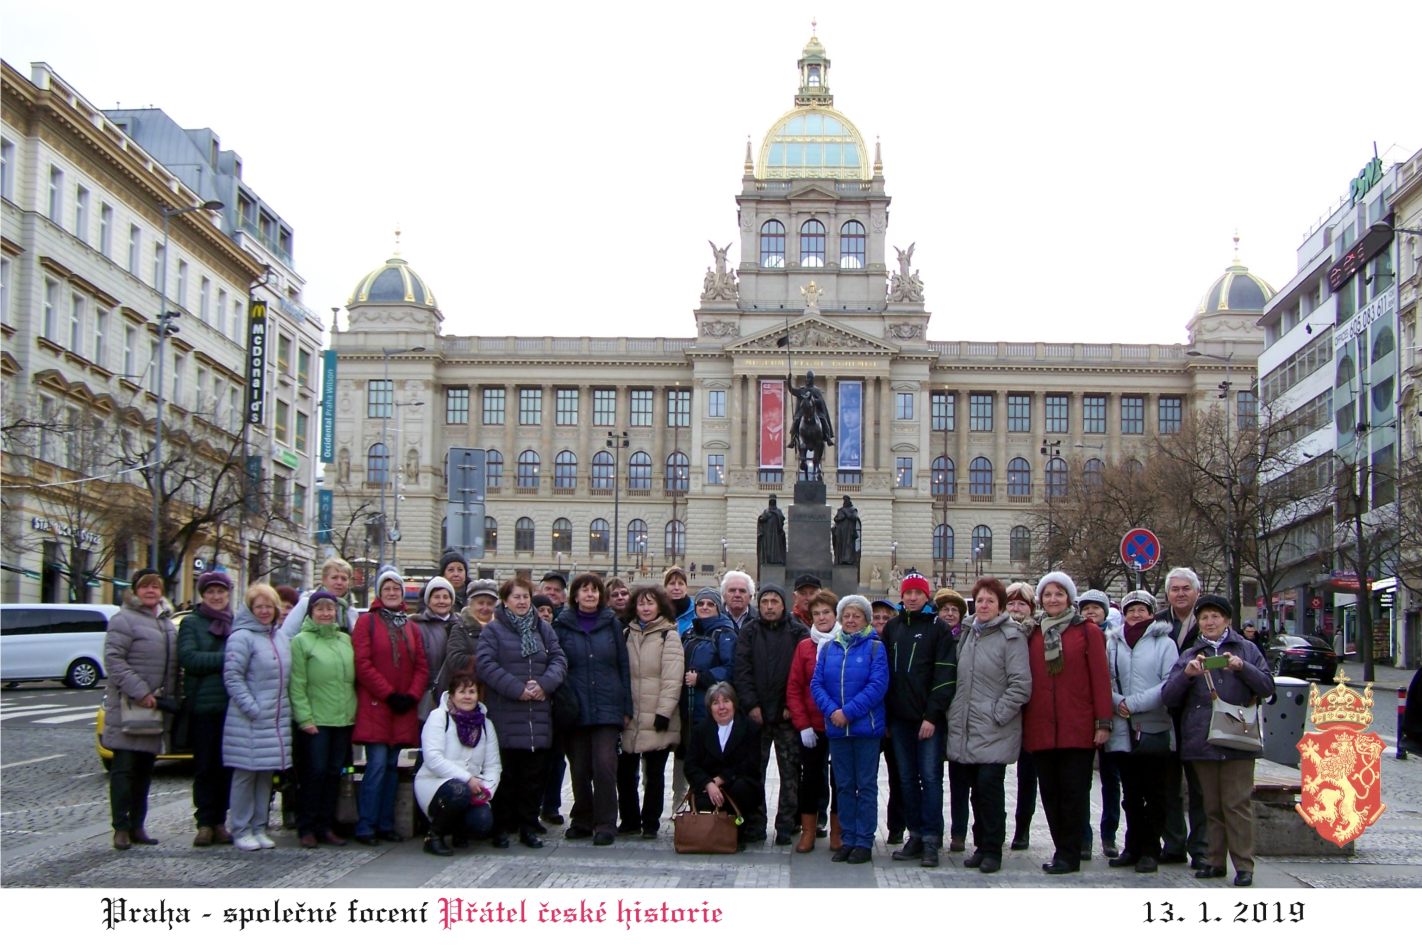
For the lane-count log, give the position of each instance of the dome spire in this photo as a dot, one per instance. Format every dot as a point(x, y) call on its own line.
point(814, 73)
point(397, 239)
point(1236, 247)
point(750, 165)
point(878, 158)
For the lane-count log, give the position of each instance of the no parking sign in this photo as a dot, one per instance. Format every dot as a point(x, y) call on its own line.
point(1140, 550)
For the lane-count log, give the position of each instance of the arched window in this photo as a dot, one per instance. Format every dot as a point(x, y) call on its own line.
point(675, 539)
point(491, 535)
point(562, 535)
point(1019, 478)
point(636, 536)
point(493, 468)
point(598, 534)
point(942, 542)
point(772, 244)
point(1092, 473)
point(678, 472)
point(377, 464)
point(603, 471)
point(1383, 343)
point(639, 471)
point(1021, 542)
point(1056, 478)
point(565, 470)
point(523, 535)
point(980, 477)
point(982, 542)
point(528, 469)
point(851, 246)
point(944, 476)
point(812, 244)
point(1134, 468)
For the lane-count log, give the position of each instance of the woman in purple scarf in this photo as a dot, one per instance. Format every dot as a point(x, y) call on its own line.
point(461, 767)
point(202, 638)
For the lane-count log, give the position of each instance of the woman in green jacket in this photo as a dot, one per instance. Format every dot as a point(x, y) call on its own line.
point(323, 705)
point(202, 640)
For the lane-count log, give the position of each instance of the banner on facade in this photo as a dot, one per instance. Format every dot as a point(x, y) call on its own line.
point(772, 424)
point(325, 514)
point(328, 406)
point(850, 443)
point(256, 361)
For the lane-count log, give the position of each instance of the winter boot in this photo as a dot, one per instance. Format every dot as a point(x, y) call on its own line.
point(913, 849)
point(930, 852)
point(836, 839)
point(807, 834)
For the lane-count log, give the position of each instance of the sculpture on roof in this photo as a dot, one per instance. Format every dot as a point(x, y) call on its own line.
point(720, 283)
point(905, 287)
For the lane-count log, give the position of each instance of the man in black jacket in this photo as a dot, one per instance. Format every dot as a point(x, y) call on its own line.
point(922, 676)
point(1183, 794)
point(764, 652)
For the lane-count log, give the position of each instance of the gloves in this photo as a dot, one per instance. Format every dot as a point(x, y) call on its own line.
point(660, 723)
point(808, 737)
point(399, 703)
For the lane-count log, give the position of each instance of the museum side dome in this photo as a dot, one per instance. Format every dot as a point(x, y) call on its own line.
point(393, 282)
point(813, 140)
point(1236, 290)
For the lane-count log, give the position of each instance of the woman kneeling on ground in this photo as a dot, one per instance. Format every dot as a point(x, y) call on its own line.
point(461, 768)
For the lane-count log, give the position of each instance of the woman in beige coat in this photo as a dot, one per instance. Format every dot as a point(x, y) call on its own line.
point(141, 661)
point(657, 663)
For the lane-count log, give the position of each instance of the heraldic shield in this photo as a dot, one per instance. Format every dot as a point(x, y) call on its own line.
point(1340, 764)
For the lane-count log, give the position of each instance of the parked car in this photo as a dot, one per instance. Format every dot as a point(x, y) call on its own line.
point(1302, 656)
point(53, 642)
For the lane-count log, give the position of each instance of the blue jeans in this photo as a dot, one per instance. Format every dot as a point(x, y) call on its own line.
point(856, 778)
point(920, 778)
point(376, 801)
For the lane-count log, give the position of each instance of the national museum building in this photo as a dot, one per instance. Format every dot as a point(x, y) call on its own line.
point(945, 447)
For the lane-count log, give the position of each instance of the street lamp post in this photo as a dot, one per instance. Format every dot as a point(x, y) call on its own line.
point(1231, 552)
point(723, 553)
point(617, 441)
point(1051, 450)
point(166, 327)
point(385, 439)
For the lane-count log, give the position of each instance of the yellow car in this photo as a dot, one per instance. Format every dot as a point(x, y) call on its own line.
point(106, 756)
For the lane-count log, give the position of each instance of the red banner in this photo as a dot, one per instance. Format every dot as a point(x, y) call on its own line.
point(772, 424)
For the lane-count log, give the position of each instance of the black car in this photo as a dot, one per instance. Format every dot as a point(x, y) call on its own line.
point(1302, 656)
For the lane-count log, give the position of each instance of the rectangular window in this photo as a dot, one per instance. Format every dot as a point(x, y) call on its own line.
point(493, 406)
point(180, 365)
point(106, 230)
point(1058, 414)
point(76, 323)
point(56, 195)
point(282, 428)
point(565, 406)
point(204, 300)
point(903, 472)
point(1093, 414)
point(7, 169)
point(604, 407)
point(716, 403)
point(715, 469)
point(303, 426)
point(1019, 413)
point(298, 504)
point(159, 268)
point(1169, 412)
point(101, 332)
point(81, 213)
point(1247, 407)
point(303, 373)
point(979, 412)
point(1132, 414)
point(456, 405)
point(530, 406)
point(641, 416)
point(941, 407)
point(181, 297)
point(49, 327)
point(280, 493)
point(903, 406)
point(379, 398)
point(222, 312)
point(678, 408)
point(130, 347)
point(4, 289)
point(135, 247)
point(283, 349)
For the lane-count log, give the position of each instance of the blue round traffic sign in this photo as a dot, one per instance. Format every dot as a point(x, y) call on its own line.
point(1140, 550)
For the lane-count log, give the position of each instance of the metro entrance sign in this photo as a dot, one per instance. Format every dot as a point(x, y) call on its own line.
point(1140, 550)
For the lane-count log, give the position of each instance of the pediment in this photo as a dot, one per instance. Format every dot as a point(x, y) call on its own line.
point(811, 192)
point(814, 334)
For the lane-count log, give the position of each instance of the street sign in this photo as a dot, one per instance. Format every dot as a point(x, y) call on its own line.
point(1140, 550)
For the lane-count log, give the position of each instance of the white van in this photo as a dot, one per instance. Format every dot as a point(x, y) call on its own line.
point(50, 641)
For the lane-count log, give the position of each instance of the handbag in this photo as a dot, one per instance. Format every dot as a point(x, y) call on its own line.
point(705, 833)
point(137, 721)
point(1235, 726)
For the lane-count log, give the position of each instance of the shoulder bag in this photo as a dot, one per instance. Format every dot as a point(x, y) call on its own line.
point(712, 833)
point(1235, 726)
point(137, 721)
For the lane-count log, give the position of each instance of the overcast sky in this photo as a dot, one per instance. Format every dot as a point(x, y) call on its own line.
point(1069, 171)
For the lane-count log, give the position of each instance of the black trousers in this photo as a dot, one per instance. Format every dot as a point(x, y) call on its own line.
point(649, 816)
point(212, 782)
point(322, 756)
point(1026, 792)
point(1064, 777)
point(1143, 798)
point(814, 777)
point(592, 752)
point(516, 801)
point(129, 780)
point(895, 811)
point(1183, 797)
point(985, 783)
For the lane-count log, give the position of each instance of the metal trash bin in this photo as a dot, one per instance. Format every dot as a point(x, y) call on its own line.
point(1285, 716)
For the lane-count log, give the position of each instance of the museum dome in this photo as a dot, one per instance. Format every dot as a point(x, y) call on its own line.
point(393, 282)
point(1237, 289)
point(813, 140)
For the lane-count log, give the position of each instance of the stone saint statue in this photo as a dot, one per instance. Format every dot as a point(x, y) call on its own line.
point(770, 535)
point(846, 534)
point(812, 430)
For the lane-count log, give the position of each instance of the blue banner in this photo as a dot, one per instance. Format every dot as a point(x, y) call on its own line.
point(325, 509)
point(328, 406)
point(850, 436)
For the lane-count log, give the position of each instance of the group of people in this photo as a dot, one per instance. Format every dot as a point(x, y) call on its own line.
point(499, 685)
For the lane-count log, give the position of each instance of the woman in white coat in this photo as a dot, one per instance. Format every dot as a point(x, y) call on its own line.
point(461, 768)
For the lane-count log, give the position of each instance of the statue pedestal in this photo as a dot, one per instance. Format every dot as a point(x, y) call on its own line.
point(808, 541)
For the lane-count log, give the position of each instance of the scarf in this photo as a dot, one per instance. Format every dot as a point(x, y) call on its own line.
point(1052, 629)
point(469, 725)
point(844, 639)
point(1134, 632)
point(219, 621)
point(822, 638)
point(395, 625)
point(526, 626)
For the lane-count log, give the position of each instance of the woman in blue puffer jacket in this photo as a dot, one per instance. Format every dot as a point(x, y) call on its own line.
point(850, 681)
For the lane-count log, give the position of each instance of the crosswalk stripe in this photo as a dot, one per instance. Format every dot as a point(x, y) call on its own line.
point(65, 718)
point(45, 709)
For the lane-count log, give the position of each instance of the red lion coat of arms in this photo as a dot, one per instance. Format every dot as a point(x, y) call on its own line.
point(1340, 764)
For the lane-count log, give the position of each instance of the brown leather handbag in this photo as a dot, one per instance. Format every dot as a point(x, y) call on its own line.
point(706, 833)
